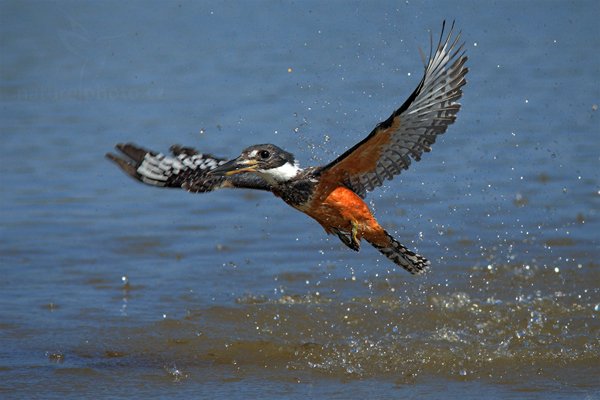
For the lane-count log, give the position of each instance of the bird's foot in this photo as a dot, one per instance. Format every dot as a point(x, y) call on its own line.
point(349, 239)
point(354, 235)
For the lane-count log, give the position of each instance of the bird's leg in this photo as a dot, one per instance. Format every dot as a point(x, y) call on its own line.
point(354, 235)
point(347, 239)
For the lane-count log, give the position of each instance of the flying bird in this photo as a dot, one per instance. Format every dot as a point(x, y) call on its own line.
point(331, 194)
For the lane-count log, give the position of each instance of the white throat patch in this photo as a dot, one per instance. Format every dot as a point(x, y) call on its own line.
point(281, 174)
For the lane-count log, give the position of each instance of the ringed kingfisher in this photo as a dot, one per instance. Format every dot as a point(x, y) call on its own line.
point(331, 194)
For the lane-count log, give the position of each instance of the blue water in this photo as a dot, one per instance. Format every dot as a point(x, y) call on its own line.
point(113, 289)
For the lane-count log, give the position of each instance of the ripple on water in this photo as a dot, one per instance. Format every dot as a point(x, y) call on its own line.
point(504, 326)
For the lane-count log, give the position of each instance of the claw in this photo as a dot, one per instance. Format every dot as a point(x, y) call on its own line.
point(355, 239)
point(349, 239)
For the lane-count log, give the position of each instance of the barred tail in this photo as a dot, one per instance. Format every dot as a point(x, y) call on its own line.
point(400, 255)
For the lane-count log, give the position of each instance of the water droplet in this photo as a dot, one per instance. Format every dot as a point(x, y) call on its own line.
point(55, 357)
point(175, 373)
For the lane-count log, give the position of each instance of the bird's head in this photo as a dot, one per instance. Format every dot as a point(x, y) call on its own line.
point(272, 163)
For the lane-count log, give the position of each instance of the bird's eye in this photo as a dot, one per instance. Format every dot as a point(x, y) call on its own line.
point(264, 154)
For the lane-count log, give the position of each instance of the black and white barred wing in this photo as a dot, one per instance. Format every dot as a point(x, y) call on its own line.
point(410, 130)
point(186, 168)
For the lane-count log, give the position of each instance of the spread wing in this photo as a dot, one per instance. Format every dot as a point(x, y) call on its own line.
point(410, 130)
point(187, 169)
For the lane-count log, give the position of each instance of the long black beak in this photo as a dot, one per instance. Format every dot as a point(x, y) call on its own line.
point(236, 166)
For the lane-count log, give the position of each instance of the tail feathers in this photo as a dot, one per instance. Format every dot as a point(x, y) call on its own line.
point(400, 255)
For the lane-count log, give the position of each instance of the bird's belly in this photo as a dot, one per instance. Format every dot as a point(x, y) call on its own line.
point(340, 209)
